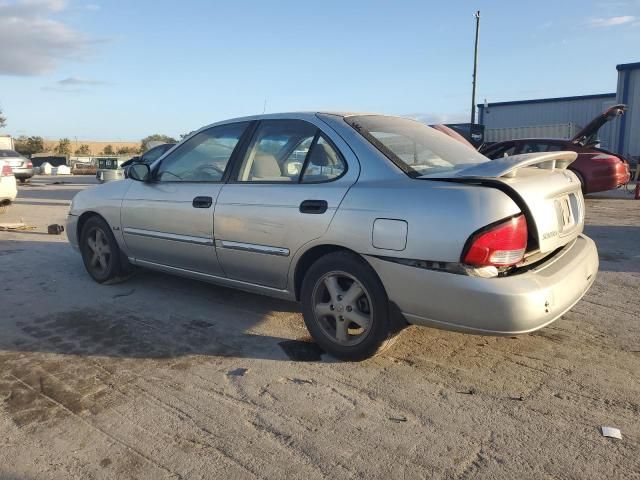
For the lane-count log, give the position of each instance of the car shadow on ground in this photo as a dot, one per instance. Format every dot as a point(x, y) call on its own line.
point(617, 246)
point(53, 306)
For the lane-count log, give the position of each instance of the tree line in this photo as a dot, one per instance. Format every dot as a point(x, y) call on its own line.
point(30, 145)
point(34, 144)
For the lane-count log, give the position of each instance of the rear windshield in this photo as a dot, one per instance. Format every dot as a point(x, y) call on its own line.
point(414, 147)
point(9, 154)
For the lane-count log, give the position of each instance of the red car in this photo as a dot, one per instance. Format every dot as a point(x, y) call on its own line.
point(597, 169)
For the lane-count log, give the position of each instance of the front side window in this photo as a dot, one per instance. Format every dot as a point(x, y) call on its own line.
point(204, 157)
point(414, 147)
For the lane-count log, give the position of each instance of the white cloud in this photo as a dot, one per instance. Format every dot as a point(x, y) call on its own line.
point(69, 81)
point(612, 21)
point(73, 85)
point(32, 42)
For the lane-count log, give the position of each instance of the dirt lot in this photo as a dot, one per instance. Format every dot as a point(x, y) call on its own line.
point(162, 377)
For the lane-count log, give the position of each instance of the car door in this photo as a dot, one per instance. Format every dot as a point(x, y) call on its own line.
point(168, 221)
point(282, 194)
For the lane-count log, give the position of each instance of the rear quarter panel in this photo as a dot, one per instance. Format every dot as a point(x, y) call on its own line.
point(440, 216)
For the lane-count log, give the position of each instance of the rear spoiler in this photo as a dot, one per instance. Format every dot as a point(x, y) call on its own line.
point(508, 166)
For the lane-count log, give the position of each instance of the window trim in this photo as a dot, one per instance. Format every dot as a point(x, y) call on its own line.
point(234, 174)
point(240, 146)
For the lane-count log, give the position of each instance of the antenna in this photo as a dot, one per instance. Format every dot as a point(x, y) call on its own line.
point(264, 107)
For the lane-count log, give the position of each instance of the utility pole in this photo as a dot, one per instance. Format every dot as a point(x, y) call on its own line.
point(475, 70)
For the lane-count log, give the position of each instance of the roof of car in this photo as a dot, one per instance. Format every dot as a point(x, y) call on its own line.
point(291, 115)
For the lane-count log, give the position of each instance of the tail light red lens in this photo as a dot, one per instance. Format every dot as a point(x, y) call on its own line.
point(29, 165)
point(499, 246)
point(6, 171)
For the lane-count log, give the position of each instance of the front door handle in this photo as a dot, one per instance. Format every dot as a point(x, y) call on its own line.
point(313, 206)
point(202, 202)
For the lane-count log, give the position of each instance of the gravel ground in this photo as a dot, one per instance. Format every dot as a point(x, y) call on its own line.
point(162, 377)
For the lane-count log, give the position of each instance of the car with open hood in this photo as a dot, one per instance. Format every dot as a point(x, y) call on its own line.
point(598, 169)
point(370, 221)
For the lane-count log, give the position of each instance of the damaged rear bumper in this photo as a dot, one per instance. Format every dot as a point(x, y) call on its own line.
point(510, 305)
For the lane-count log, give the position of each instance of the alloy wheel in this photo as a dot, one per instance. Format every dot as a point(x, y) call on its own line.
point(343, 308)
point(99, 251)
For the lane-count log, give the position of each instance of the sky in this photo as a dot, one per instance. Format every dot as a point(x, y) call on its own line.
point(121, 70)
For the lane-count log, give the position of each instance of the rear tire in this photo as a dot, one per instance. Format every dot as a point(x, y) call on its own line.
point(346, 308)
point(100, 252)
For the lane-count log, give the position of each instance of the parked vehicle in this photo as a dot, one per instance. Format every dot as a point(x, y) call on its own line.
point(370, 221)
point(115, 168)
point(110, 169)
point(149, 156)
point(8, 188)
point(598, 169)
point(21, 166)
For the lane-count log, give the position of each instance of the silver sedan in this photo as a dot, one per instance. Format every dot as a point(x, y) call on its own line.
point(370, 221)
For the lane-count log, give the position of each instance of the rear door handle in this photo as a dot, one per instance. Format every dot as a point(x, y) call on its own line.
point(202, 202)
point(313, 206)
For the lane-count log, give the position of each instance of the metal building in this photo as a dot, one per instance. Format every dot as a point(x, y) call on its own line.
point(564, 115)
point(627, 130)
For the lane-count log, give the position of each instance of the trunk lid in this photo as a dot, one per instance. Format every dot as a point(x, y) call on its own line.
point(539, 183)
point(588, 136)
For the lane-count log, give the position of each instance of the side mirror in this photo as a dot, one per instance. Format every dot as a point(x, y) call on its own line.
point(139, 172)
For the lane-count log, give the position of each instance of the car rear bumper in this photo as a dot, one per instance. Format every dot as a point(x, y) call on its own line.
point(22, 173)
point(510, 305)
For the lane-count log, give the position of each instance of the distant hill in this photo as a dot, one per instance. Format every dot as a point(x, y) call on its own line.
point(96, 148)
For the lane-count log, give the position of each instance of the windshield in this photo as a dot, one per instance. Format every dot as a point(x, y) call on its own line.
point(9, 154)
point(414, 147)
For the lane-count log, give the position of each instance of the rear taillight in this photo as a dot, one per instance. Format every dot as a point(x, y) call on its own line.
point(499, 246)
point(6, 171)
point(29, 165)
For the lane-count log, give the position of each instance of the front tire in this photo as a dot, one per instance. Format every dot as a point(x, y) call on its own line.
point(346, 308)
point(100, 251)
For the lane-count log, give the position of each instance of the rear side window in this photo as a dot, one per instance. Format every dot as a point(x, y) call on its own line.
point(290, 151)
point(324, 163)
point(498, 151)
point(414, 147)
point(540, 147)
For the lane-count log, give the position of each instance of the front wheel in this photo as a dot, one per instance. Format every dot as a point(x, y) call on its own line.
point(345, 307)
point(100, 252)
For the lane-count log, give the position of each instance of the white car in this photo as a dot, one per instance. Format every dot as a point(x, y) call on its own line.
point(8, 188)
